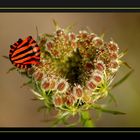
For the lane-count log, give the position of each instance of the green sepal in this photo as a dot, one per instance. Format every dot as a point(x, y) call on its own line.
point(11, 69)
point(122, 79)
point(114, 112)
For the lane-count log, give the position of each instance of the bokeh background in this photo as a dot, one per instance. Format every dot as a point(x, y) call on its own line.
point(16, 107)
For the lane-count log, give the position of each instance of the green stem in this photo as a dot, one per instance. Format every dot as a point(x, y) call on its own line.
point(86, 119)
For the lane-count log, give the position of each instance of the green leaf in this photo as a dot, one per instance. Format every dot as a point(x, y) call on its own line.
point(41, 108)
point(122, 80)
point(25, 73)
point(38, 38)
point(114, 112)
point(11, 69)
point(39, 96)
point(48, 35)
point(7, 57)
point(102, 36)
point(127, 65)
point(56, 122)
point(22, 72)
point(89, 29)
point(73, 124)
point(123, 53)
point(35, 99)
point(60, 118)
point(63, 115)
point(112, 98)
point(55, 24)
point(27, 83)
point(69, 28)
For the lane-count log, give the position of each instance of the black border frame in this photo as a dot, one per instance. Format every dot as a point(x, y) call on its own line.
point(29, 7)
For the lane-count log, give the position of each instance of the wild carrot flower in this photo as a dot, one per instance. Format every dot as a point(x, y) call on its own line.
point(75, 70)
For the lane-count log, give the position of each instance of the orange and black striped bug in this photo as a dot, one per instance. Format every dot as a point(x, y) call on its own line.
point(25, 53)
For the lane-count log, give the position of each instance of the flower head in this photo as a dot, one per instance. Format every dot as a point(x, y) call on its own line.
point(75, 69)
point(77, 66)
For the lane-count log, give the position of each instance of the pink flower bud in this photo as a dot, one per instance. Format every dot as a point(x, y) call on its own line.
point(61, 86)
point(113, 64)
point(38, 75)
point(97, 78)
point(58, 101)
point(46, 85)
point(113, 56)
point(70, 100)
point(100, 66)
point(97, 41)
point(78, 91)
point(91, 85)
point(113, 47)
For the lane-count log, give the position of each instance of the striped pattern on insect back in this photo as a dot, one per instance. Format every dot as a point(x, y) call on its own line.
point(24, 53)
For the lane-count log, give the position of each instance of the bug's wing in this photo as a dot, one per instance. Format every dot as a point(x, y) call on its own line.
point(14, 47)
point(25, 53)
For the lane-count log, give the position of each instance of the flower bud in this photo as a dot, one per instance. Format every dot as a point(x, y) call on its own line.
point(100, 66)
point(45, 84)
point(113, 47)
point(62, 86)
point(38, 75)
point(97, 41)
point(78, 91)
point(91, 85)
point(57, 100)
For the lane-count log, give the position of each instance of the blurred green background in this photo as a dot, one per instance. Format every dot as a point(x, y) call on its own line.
point(17, 108)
